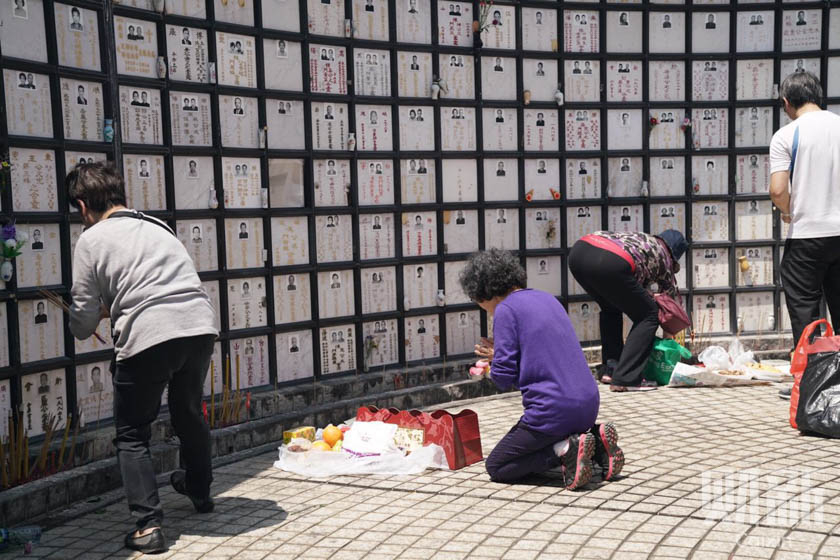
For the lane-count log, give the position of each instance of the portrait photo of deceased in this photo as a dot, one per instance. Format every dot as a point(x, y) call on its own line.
point(754, 79)
point(542, 178)
point(187, 54)
point(460, 180)
point(463, 328)
point(624, 32)
point(498, 78)
point(239, 121)
point(752, 173)
point(499, 127)
point(501, 179)
point(458, 71)
point(289, 240)
point(668, 134)
point(580, 221)
point(501, 228)
point(583, 80)
point(626, 218)
point(539, 76)
point(460, 231)
point(710, 32)
point(541, 130)
point(385, 344)
point(414, 74)
point(417, 180)
point(41, 327)
point(294, 351)
point(25, 36)
point(244, 242)
point(712, 310)
point(419, 234)
point(753, 220)
point(801, 30)
point(422, 337)
point(760, 272)
point(624, 129)
point(545, 273)
point(236, 58)
point(338, 349)
point(417, 128)
point(140, 112)
point(285, 182)
point(583, 130)
point(28, 104)
point(710, 128)
point(711, 268)
point(666, 32)
point(145, 177)
point(376, 236)
point(137, 47)
point(457, 129)
point(542, 228)
point(331, 179)
point(624, 177)
point(539, 29)
point(334, 238)
point(376, 182)
point(285, 121)
point(710, 220)
point(379, 289)
point(246, 303)
point(374, 128)
point(43, 397)
point(420, 285)
point(95, 391)
point(327, 64)
point(455, 23)
point(33, 172)
point(281, 15)
point(755, 31)
point(372, 69)
point(77, 37)
point(200, 239)
point(241, 182)
point(710, 175)
point(370, 19)
point(753, 126)
point(669, 215)
point(624, 80)
point(196, 182)
point(292, 303)
point(414, 21)
point(283, 67)
point(190, 118)
point(667, 176)
point(252, 356)
point(501, 33)
point(710, 80)
point(40, 261)
point(325, 18)
point(666, 80)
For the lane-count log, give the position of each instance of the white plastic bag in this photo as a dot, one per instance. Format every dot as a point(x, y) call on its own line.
point(366, 439)
point(336, 463)
point(715, 357)
point(739, 355)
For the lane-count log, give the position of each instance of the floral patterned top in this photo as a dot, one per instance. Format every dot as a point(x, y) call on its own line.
point(652, 257)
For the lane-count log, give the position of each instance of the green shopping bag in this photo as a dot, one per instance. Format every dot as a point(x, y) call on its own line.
point(665, 356)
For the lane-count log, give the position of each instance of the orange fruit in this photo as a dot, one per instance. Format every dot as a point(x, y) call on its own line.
point(321, 446)
point(332, 434)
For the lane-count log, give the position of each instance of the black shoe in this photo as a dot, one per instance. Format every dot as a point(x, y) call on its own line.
point(577, 461)
point(784, 393)
point(178, 479)
point(153, 543)
point(608, 455)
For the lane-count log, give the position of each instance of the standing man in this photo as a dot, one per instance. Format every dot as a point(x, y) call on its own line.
point(805, 187)
point(133, 269)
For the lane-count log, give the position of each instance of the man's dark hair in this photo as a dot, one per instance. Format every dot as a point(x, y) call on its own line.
point(492, 273)
point(99, 185)
point(801, 88)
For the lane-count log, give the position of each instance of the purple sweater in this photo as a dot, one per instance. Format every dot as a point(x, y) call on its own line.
point(536, 351)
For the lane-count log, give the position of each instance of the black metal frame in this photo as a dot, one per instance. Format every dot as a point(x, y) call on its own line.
point(112, 81)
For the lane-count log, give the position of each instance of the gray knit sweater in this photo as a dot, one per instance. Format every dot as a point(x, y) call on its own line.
point(145, 277)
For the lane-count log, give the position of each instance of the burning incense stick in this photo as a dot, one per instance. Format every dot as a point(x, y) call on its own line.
point(56, 300)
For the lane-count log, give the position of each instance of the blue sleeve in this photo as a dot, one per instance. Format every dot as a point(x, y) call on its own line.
point(505, 368)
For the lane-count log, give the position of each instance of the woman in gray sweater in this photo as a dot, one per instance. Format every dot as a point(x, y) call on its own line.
point(131, 268)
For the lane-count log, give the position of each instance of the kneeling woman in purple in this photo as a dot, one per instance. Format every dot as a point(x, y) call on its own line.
point(535, 349)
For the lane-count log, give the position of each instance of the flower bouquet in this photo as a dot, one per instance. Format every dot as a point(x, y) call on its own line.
point(13, 240)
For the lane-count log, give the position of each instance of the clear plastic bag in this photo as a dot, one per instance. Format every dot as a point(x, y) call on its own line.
point(336, 463)
point(715, 357)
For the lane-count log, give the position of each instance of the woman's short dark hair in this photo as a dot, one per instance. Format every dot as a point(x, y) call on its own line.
point(801, 88)
point(492, 273)
point(99, 185)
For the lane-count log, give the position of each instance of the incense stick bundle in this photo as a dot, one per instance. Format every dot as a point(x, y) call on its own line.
point(56, 300)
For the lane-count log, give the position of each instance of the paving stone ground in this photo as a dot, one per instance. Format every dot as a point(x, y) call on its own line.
point(711, 474)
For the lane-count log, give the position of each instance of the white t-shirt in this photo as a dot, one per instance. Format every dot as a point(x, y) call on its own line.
point(815, 185)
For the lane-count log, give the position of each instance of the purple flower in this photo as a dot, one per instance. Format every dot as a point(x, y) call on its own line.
point(9, 232)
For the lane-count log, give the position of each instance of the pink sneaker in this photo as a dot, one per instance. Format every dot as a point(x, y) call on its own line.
point(577, 461)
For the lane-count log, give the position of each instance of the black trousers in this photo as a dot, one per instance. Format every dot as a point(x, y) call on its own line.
point(139, 382)
point(610, 281)
point(811, 270)
point(521, 452)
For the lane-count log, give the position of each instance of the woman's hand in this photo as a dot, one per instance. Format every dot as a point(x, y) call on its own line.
point(484, 348)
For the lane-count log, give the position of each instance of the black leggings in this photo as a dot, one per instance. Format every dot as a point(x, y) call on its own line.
point(610, 281)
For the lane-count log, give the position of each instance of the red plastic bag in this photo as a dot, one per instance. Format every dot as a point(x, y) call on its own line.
point(672, 317)
point(804, 348)
point(458, 434)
